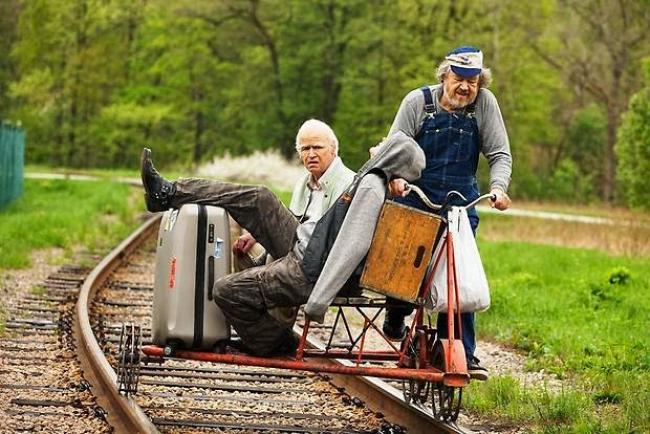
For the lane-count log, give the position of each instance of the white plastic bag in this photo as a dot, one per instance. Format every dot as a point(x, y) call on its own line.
point(474, 292)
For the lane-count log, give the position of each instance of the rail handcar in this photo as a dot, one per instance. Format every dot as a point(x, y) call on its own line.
point(401, 265)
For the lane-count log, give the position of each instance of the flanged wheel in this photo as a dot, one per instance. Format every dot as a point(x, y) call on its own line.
point(445, 400)
point(416, 391)
point(128, 363)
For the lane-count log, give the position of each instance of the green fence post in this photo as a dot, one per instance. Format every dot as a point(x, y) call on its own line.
point(12, 156)
point(4, 166)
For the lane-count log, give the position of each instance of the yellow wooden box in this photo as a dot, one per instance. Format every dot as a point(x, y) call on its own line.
point(400, 252)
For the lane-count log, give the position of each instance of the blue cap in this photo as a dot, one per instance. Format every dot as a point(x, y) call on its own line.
point(466, 61)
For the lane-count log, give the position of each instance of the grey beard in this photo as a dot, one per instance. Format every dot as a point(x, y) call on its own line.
point(455, 104)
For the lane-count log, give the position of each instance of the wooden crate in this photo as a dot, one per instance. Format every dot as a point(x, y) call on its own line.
point(400, 252)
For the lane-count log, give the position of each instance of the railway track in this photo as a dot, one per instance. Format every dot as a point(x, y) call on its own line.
point(42, 388)
point(188, 396)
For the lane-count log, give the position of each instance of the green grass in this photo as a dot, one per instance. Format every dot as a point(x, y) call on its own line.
point(104, 174)
point(580, 314)
point(65, 214)
point(101, 173)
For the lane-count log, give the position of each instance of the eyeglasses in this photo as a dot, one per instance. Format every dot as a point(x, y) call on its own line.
point(306, 148)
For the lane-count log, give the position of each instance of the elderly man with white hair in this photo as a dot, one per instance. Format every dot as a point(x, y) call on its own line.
point(453, 122)
point(326, 178)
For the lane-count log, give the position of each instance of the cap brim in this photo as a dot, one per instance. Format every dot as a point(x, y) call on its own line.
point(465, 72)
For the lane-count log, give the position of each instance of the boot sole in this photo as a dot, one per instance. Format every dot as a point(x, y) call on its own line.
point(152, 206)
point(144, 156)
point(479, 375)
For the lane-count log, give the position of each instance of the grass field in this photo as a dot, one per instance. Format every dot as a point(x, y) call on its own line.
point(91, 216)
point(56, 213)
point(581, 314)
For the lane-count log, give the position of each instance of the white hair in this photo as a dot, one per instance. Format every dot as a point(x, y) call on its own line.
point(484, 78)
point(313, 127)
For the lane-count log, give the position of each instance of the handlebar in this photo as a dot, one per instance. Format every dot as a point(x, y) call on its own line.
point(427, 202)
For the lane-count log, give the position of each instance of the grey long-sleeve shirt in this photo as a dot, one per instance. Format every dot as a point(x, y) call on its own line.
point(494, 142)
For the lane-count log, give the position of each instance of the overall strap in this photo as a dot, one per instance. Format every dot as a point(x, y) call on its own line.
point(429, 104)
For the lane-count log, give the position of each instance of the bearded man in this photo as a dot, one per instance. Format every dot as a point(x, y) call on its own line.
point(453, 122)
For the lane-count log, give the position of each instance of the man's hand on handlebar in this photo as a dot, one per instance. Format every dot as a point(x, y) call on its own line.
point(398, 187)
point(502, 201)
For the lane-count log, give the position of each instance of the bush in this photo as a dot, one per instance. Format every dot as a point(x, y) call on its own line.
point(569, 183)
point(633, 148)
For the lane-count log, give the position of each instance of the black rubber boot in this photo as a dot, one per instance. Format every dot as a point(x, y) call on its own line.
point(158, 191)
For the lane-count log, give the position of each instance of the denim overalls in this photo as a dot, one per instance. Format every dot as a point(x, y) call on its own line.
point(451, 145)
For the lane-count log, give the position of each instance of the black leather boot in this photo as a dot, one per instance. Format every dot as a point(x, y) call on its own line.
point(158, 191)
point(396, 311)
point(394, 327)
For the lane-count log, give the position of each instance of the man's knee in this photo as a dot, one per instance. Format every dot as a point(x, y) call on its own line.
point(222, 291)
point(236, 290)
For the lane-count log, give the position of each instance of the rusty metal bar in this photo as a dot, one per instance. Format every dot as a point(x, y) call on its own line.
point(312, 366)
point(345, 354)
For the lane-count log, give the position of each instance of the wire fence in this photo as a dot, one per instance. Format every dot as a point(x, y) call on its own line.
point(12, 157)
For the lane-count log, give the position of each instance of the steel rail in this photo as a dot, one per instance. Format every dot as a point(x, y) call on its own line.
point(124, 415)
point(379, 396)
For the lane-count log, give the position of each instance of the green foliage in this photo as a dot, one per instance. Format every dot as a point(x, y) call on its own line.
point(568, 183)
point(619, 276)
point(94, 80)
point(9, 10)
point(586, 139)
point(578, 314)
point(633, 148)
point(52, 213)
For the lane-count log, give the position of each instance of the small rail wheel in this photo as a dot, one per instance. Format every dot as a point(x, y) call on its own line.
point(416, 391)
point(128, 363)
point(445, 400)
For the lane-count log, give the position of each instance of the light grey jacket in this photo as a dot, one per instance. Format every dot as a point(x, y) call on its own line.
point(334, 181)
point(399, 157)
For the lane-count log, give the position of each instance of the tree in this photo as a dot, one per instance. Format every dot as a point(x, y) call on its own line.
point(633, 147)
point(9, 12)
point(71, 57)
point(599, 44)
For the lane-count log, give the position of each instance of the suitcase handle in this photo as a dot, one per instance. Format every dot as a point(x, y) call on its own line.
point(210, 276)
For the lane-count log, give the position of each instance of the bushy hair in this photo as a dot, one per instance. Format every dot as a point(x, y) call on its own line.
point(484, 79)
point(312, 126)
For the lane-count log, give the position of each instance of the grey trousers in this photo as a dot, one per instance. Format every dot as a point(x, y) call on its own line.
point(245, 297)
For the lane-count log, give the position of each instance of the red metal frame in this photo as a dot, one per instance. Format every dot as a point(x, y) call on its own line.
point(451, 369)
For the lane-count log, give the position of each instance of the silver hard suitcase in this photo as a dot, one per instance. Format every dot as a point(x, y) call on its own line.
point(192, 251)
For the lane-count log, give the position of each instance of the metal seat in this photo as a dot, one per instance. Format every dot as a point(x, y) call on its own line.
point(365, 299)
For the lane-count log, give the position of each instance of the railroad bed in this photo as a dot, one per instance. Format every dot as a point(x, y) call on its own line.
point(188, 396)
point(41, 384)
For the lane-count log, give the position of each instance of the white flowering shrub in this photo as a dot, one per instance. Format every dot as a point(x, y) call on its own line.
point(268, 168)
